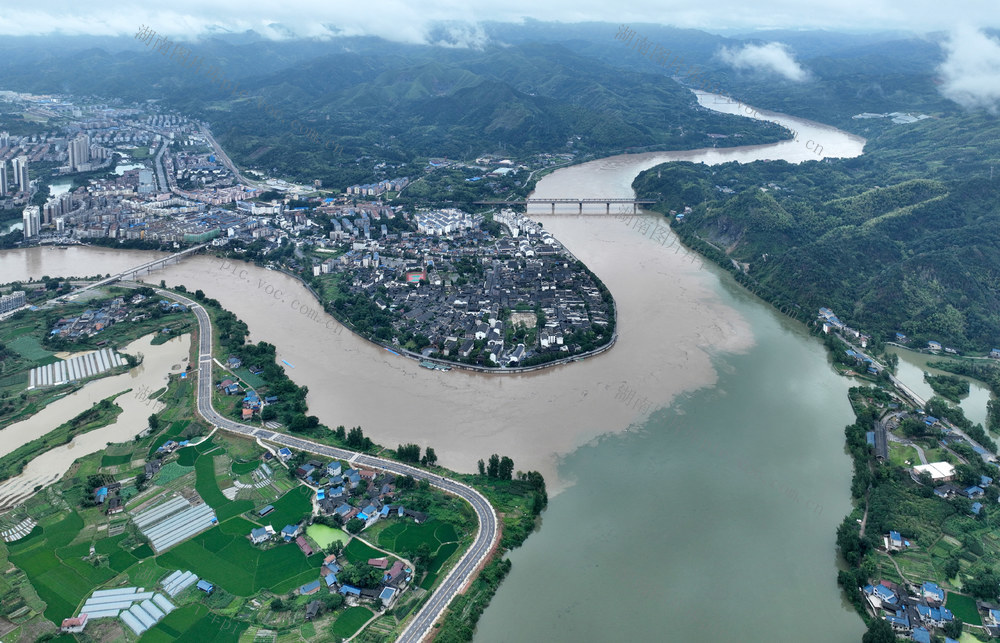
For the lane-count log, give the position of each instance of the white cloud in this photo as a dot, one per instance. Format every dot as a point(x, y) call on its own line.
point(971, 71)
point(460, 35)
point(408, 21)
point(772, 57)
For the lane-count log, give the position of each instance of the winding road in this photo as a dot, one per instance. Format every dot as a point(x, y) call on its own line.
point(461, 574)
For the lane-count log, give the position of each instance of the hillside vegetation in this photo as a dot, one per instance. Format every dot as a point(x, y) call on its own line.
point(903, 239)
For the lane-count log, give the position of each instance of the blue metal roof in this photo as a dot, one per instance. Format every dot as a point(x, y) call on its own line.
point(885, 594)
point(903, 620)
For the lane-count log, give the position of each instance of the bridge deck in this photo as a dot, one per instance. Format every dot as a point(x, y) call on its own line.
point(561, 200)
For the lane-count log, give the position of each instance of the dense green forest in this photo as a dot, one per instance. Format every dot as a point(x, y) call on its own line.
point(904, 238)
point(950, 387)
point(372, 101)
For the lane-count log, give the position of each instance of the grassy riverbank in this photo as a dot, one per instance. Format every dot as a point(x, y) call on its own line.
point(100, 415)
point(78, 548)
point(27, 342)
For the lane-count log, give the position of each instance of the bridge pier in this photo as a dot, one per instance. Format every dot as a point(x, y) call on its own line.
point(581, 207)
point(607, 208)
point(635, 207)
point(553, 207)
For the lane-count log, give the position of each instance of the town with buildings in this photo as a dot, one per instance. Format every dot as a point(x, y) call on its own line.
point(493, 291)
point(465, 294)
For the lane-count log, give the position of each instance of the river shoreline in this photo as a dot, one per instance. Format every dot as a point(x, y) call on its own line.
point(683, 417)
point(49, 467)
point(402, 352)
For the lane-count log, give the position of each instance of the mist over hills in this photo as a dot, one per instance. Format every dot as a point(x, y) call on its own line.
point(545, 87)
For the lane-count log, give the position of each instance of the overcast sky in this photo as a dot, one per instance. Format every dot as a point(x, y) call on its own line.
point(407, 20)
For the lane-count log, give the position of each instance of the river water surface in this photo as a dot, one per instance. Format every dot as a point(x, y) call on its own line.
point(698, 467)
point(151, 375)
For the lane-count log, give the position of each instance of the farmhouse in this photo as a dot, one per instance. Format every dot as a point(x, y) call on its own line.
point(74, 625)
point(894, 541)
point(313, 609)
point(304, 546)
point(115, 506)
point(309, 588)
point(261, 534)
point(387, 595)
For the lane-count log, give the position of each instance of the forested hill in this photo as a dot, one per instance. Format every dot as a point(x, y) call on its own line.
point(383, 101)
point(513, 100)
point(904, 238)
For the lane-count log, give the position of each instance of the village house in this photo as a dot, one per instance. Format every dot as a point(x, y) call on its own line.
point(314, 609)
point(115, 506)
point(74, 625)
point(894, 541)
point(260, 535)
point(309, 588)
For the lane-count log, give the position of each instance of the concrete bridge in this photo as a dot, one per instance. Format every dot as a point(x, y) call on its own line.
point(133, 273)
point(606, 201)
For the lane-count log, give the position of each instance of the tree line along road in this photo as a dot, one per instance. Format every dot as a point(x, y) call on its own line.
point(466, 568)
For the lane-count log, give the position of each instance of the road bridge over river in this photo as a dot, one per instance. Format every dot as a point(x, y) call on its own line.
point(607, 201)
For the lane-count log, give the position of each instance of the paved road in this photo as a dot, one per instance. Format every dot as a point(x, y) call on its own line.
point(988, 456)
point(228, 162)
point(461, 574)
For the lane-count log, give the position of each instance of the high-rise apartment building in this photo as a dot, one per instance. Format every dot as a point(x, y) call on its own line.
point(20, 165)
point(32, 221)
point(79, 151)
point(13, 301)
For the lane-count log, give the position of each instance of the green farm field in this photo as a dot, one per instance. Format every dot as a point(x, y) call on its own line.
point(408, 536)
point(55, 569)
point(964, 607)
point(358, 552)
point(208, 489)
point(291, 508)
point(350, 621)
point(231, 562)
